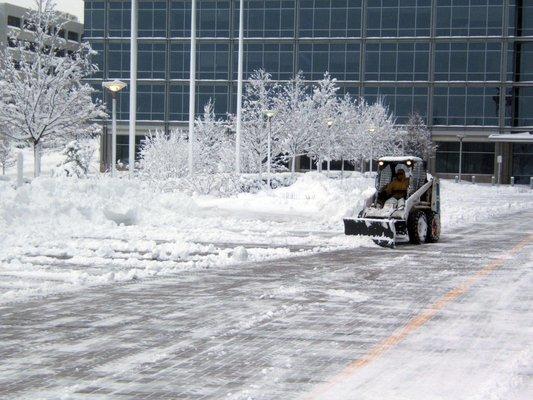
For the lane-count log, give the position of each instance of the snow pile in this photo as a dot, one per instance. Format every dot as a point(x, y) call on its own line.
point(313, 195)
point(60, 234)
point(464, 204)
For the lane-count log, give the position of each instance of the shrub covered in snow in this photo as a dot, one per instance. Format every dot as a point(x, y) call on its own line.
point(164, 156)
point(78, 156)
point(253, 183)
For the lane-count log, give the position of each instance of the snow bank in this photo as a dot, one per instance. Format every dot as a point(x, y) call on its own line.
point(463, 204)
point(59, 234)
point(313, 195)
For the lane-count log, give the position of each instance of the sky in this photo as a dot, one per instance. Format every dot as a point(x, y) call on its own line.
point(71, 6)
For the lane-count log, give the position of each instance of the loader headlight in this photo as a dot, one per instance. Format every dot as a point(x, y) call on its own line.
point(409, 163)
point(381, 163)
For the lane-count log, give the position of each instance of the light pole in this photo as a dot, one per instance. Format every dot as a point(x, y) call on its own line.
point(192, 88)
point(114, 87)
point(239, 90)
point(134, 22)
point(460, 137)
point(371, 130)
point(269, 114)
point(329, 123)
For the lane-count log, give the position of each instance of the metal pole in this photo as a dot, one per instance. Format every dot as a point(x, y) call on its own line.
point(460, 158)
point(114, 136)
point(371, 157)
point(133, 85)
point(499, 160)
point(20, 169)
point(269, 156)
point(239, 89)
point(192, 87)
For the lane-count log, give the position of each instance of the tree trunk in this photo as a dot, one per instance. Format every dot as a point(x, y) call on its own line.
point(3, 168)
point(310, 163)
point(342, 167)
point(36, 160)
point(293, 165)
point(329, 166)
point(362, 164)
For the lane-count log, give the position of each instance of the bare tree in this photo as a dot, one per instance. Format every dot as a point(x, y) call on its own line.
point(212, 143)
point(42, 96)
point(296, 116)
point(324, 142)
point(261, 94)
point(416, 139)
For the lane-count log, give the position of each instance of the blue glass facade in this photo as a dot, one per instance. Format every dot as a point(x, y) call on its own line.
point(465, 65)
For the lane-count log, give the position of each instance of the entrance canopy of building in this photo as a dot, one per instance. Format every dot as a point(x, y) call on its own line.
point(522, 137)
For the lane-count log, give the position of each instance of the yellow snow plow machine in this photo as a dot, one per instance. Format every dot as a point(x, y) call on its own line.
point(405, 206)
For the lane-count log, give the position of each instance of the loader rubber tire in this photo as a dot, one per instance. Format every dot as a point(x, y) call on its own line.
point(415, 226)
point(433, 227)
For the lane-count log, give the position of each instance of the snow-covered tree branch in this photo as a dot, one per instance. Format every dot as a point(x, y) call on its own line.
point(6, 152)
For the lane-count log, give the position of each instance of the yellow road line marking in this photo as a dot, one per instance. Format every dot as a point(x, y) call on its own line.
point(418, 321)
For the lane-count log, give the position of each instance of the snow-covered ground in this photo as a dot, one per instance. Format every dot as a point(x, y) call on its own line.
point(59, 234)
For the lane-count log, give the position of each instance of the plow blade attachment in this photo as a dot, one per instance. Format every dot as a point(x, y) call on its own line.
point(382, 231)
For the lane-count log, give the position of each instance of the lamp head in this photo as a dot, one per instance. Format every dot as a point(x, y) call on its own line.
point(269, 113)
point(371, 129)
point(329, 122)
point(114, 86)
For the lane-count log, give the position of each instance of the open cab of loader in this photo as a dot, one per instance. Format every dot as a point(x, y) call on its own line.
point(404, 207)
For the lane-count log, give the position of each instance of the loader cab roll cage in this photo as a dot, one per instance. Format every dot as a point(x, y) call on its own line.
point(387, 171)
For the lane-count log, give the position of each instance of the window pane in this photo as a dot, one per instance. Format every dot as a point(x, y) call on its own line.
point(402, 62)
point(341, 60)
point(474, 18)
point(398, 18)
point(330, 18)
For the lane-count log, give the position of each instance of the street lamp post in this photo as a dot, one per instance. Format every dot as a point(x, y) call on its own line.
point(239, 89)
point(460, 137)
point(329, 123)
point(269, 114)
point(192, 88)
point(371, 130)
point(114, 87)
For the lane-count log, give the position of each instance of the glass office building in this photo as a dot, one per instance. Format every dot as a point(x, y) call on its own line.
point(465, 65)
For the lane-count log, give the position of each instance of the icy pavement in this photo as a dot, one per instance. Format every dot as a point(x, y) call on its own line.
point(289, 328)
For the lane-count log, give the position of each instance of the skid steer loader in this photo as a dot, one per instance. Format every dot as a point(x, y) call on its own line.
point(415, 217)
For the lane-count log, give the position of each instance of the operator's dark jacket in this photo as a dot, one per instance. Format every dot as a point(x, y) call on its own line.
point(397, 188)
